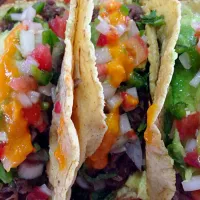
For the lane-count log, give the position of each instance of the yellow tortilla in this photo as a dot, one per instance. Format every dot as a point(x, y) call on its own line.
point(88, 108)
point(160, 173)
point(61, 132)
point(62, 129)
point(89, 117)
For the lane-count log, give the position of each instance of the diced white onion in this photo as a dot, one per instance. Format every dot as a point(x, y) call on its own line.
point(133, 29)
point(27, 42)
point(3, 137)
point(25, 67)
point(45, 190)
point(132, 92)
point(185, 60)
point(35, 26)
point(144, 38)
point(119, 144)
point(46, 90)
point(29, 13)
point(121, 28)
point(82, 182)
point(34, 96)
point(53, 94)
point(16, 16)
point(38, 38)
point(102, 55)
point(196, 80)
point(124, 124)
point(118, 150)
point(190, 145)
point(24, 100)
point(108, 90)
point(195, 25)
point(192, 185)
point(103, 27)
point(114, 101)
point(30, 170)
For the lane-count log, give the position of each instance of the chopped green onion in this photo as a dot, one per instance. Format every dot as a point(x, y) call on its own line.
point(5, 177)
point(42, 77)
point(39, 6)
point(142, 32)
point(94, 33)
point(178, 110)
point(7, 16)
point(181, 49)
point(136, 80)
point(45, 105)
point(44, 24)
point(36, 146)
point(141, 127)
point(49, 37)
point(124, 10)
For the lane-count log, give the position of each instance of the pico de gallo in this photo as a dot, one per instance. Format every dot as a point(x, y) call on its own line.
point(121, 50)
point(182, 116)
point(31, 54)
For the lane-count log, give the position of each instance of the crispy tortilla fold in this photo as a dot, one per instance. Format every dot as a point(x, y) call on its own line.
point(88, 114)
point(160, 173)
point(91, 128)
point(62, 130)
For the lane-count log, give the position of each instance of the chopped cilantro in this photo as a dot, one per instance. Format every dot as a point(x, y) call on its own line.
point(153, 19)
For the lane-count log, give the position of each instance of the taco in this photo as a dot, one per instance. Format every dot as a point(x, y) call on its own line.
point(39, 147)
point(116, 60)
point(180, 119)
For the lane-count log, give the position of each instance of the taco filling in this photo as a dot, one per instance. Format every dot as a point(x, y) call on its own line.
point(182, 117)
point(117, 169)
point(31, 52)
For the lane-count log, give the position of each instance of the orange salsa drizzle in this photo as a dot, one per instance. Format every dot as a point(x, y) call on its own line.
point(16, 127)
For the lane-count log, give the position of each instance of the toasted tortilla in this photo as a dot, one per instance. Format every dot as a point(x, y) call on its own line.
point(91, 128)
point(62, 130)
point(160, 173)
point(88, 114)
point(88, 109)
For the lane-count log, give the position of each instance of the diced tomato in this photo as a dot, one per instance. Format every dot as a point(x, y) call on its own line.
point(23, 84)
point(1, 149)
point(137, 48)
point(112, 37)
point(32, 114)
point(42, 126)
point(37, 194)
point(129, 102)
point(195, 195)
point(58, 25)
point(132, 135)
point(188, 126)
point(197, 32)
point(42, 55)
point(102, 70)
point(57, 108)
point(67, 1)
point(192, 159)
point(102, 41)
point(198, 46)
